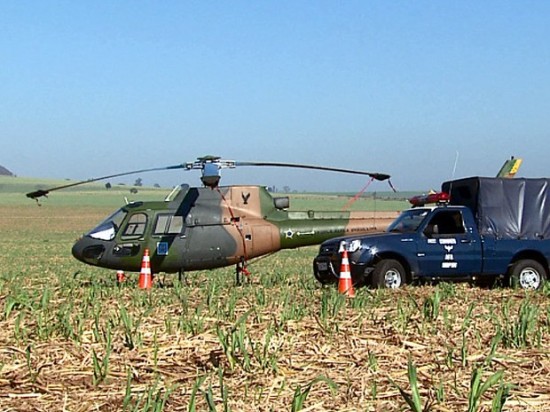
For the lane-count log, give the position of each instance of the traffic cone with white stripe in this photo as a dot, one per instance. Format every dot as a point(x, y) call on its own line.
point(345, 284)
point(145, 276)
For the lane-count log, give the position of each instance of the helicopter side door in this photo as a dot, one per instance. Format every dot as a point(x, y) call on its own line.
point(168, 237)
point(132, 235)
point(261, 238)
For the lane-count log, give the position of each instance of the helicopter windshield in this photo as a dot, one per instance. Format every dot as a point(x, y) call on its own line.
point(408, 221)
point(107, 229)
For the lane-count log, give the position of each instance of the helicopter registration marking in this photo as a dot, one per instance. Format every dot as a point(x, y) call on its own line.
point(162, 248)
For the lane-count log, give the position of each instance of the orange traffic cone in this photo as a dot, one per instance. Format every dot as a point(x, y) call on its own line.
point(120, 276)
point(345, 284)
point(145, 276)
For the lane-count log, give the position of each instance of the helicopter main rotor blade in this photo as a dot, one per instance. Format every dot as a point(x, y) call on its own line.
point(210, 166)
point(377, 176)
point(38, 193)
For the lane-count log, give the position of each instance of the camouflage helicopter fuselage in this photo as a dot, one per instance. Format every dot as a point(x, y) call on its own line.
point(204, 228)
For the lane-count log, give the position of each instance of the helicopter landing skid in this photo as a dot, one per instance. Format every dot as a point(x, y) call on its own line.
point(182, 278)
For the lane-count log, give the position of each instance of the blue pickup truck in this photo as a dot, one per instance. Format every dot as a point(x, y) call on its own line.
point(490, 228)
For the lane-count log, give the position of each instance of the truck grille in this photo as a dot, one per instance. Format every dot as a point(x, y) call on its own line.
point(329, 250)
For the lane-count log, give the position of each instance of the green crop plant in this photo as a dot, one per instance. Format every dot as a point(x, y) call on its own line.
point(468, 317)
point(67, 327)
point(373, 361)
point(266, 353)
point(196, 386)
point(101, 365)
point(405, 313)
point(152, 400)
point(518, 332)
point(447, 290)
point(128, 390)
point(374, 390)
point(192, 323)
point(431, 306)
point(440, 393)
point(500, 398)
point(495, 341)
point(234, 342)
point(132, 338)
point(33, 373)
point(477, 389)
point(464, 349)
point(223, 391)
point(413, 399)
point(332, 304)
point(302, 392)
point(20, 332)
point(209, 396)
point(293, 310)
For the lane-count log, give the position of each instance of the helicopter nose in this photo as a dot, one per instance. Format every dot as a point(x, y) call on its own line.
point(88, 250)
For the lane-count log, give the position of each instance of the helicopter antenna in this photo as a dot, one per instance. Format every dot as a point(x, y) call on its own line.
point(453, 176)
point(456, 163)
point(174, 190)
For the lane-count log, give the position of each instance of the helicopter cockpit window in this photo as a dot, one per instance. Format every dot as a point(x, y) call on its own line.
point(107, 229)
point(135, 226)
point(168, 225)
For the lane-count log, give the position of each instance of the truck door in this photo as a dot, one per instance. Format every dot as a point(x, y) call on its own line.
point(446, 248)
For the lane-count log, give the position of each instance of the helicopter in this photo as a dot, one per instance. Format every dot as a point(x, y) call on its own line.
point(212, 226)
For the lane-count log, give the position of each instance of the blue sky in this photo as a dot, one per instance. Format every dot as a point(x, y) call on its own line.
point(91, 88)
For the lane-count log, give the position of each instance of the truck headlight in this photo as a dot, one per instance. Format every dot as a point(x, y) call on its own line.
point(354, 245)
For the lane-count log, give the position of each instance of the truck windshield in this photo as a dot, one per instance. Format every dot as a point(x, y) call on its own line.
point(408, 221)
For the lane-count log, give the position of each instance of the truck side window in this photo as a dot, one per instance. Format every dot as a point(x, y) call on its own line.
point(448, 222)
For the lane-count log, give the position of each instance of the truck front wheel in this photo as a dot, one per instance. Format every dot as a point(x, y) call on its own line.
point(388, 273)
point(527, 274)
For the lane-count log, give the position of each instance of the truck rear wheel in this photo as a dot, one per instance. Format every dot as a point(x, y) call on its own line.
point(527, 274)
point(388, 273)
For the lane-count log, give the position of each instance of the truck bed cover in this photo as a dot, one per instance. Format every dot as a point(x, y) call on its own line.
point(505, 208)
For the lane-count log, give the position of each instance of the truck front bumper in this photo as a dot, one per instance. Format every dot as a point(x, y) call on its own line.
point(323, 270)
point(326, 270)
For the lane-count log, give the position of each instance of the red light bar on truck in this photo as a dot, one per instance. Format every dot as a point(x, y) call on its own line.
point(437, 197)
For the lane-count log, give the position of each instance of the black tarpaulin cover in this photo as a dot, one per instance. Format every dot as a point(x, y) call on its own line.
point(506, 208)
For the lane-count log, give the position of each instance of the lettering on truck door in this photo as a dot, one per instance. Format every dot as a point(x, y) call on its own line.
point(446, 248)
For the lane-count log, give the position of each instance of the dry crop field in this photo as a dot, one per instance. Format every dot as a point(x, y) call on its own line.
point(71, 339)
